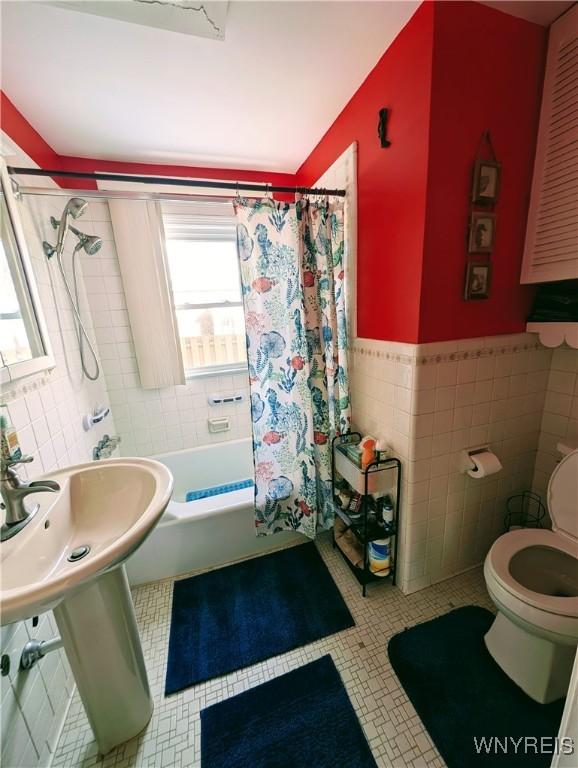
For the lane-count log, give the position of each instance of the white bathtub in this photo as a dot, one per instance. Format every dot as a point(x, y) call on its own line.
point(208, 532)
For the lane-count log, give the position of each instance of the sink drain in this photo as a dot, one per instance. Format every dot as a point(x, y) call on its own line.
point(78, 553)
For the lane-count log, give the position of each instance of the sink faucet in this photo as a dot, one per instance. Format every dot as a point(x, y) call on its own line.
point(14, 492)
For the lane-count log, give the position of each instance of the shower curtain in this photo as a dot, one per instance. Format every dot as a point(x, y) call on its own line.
point(292, 270)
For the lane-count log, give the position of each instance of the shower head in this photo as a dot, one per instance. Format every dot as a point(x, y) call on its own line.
point(90, 243)
point(75, 207)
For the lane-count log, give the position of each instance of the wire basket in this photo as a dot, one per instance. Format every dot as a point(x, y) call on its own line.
point(524, 510)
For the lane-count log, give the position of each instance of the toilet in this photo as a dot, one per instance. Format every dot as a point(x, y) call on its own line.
point(532, 577)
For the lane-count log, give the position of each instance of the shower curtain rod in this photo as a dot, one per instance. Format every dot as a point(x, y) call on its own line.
point(172, 181)
point(113, 194)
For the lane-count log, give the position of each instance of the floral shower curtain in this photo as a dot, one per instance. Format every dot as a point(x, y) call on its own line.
point(292, 271)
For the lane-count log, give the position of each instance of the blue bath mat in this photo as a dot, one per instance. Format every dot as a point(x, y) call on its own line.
point(301, 719)
point(233, 617)
point(216, 490)
point(461, 694)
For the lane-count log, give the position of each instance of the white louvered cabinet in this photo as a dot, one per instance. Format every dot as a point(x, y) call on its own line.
point(551, 248)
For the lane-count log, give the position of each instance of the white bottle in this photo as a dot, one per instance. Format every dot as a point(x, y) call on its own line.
point(387, 510)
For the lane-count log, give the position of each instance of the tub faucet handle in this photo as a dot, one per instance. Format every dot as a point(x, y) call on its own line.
point(105, 447)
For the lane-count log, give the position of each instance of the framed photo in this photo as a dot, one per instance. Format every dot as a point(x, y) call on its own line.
point(486, 185)
point(482, 232)
point(478, 279)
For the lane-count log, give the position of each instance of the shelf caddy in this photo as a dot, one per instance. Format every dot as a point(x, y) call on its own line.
point(367, 481)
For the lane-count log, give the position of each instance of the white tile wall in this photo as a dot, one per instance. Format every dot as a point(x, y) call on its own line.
point(560, 417)
point(431, 401)
point(47, 412)
point(149, 421)
point(34, 703)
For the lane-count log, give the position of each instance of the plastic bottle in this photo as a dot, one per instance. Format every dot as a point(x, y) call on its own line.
point(387, 510)
point(10, 447)
point(367, 446)
point(381, 450)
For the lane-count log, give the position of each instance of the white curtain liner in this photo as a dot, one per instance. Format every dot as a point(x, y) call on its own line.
point(139, 237)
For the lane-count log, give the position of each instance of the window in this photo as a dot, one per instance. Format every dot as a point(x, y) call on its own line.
point(24, 343)
point(202, 255)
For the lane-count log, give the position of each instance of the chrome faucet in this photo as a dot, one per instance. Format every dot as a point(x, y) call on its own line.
point(105, 447)
point(14, 492)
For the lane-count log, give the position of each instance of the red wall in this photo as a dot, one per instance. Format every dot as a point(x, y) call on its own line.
point(158, 169)
point(391, 183)
point(454, 70)
point(488, 71)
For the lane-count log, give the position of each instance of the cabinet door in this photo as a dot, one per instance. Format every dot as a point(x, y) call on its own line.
point(551, 249)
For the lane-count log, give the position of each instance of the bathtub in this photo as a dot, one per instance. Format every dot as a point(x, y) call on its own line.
point(207, 532)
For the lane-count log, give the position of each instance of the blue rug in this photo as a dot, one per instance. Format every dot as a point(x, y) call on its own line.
point(303, 719)
point(233, 617)
point(461, 694)
point(216, 490)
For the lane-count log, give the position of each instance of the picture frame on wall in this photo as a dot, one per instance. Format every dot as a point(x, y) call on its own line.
point(486, 182)
point(478, 280)
point(482, 232)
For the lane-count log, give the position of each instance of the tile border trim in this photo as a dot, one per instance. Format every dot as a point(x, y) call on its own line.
point(23, 387)
point(445, 357)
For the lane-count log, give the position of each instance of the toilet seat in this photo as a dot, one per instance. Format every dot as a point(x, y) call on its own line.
point(508, 545)
point(563, 497)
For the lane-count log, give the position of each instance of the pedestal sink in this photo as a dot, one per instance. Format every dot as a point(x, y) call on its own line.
point(69, 558)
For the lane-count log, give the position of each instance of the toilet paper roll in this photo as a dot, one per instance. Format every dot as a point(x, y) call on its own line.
point(485, 463)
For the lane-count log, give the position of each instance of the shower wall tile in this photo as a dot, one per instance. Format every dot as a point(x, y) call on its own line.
point(431, 401)
point(150, 421)
point(47, 411)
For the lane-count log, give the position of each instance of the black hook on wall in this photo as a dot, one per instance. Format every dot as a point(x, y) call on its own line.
point(382, 127)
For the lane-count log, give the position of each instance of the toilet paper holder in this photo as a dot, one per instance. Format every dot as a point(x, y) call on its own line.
point(467, 462)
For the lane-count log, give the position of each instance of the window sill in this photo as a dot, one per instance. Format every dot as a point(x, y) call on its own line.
point(206, 373)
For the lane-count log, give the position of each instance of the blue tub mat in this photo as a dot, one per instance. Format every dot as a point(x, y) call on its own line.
point(216, 490)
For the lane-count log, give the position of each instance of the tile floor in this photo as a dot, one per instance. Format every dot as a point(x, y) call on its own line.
point(394, 731)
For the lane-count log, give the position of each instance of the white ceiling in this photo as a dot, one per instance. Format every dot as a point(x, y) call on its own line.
point(262, 99)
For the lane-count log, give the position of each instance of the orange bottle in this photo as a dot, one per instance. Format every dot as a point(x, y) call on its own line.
point(367, 446)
